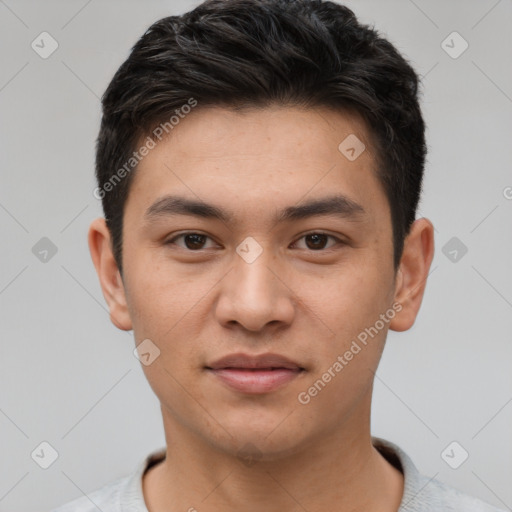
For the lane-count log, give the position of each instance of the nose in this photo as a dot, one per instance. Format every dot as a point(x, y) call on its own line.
point(255, 295)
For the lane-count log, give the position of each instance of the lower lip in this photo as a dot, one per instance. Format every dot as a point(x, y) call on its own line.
point(256, 381)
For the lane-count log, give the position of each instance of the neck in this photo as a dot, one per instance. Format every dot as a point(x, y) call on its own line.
point(339, 471)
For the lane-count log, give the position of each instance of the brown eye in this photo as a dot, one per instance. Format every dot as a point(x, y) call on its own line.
point(192, 241)
point(318, 241)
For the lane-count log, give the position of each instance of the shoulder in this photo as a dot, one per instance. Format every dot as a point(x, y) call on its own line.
point(434, 495)
point(423, 494)
point(122, 495)
point(105, 498)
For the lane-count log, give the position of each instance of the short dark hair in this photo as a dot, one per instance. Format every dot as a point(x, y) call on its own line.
point(255, 53)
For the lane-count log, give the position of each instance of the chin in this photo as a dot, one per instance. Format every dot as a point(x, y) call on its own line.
point(257, 438)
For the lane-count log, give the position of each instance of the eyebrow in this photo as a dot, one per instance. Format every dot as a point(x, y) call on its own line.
point(337, 205)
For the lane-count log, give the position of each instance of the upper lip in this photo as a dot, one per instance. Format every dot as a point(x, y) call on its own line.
point(254, 362)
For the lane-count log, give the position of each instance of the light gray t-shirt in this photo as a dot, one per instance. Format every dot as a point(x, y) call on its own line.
point(421, 494)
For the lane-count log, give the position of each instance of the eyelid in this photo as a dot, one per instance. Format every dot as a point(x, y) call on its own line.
point(334, 237)
point(172, 240)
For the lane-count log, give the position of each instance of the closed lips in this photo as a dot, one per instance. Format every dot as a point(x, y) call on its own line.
point(255, 375)
point(254, 363)
point(258, 369)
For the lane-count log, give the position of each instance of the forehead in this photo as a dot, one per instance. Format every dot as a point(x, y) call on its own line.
point(251, 158)
point(274, 132)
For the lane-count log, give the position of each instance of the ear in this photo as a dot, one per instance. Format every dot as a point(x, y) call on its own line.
point(112, 285)
point(412, 273)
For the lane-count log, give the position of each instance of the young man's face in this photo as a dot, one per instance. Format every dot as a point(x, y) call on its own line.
point(254, 284)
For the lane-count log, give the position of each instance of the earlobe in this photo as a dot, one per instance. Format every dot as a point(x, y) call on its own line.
point(412, 274)
point(108, 273)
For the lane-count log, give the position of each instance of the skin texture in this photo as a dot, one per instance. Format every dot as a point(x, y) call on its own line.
point(198, 303)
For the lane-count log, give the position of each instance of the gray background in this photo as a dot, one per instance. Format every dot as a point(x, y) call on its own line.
point(69, 377)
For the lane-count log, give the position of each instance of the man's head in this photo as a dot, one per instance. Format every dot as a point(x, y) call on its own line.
point(247, 53)
point(266, 222)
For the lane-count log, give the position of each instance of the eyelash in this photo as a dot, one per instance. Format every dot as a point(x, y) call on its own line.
point(171, 241)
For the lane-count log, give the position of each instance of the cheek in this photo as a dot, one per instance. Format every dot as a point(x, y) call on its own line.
point(346, 361)
point(168, 308)
point(351, 307)
point(159, 298)
point(353, 298)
